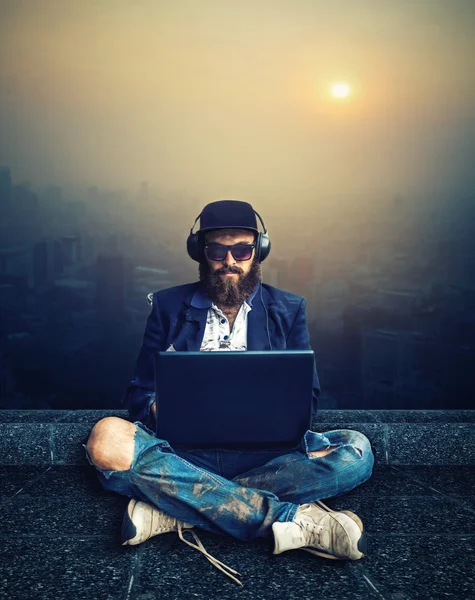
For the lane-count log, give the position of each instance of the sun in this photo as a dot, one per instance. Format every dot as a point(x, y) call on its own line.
point(340, 90)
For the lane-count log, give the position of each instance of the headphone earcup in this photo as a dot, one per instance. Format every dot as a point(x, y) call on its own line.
point(193, 246)
point(262, 247)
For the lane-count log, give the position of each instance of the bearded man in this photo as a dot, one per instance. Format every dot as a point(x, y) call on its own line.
point(271, 494)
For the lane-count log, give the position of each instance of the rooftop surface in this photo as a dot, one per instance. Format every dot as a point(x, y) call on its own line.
point(60, 530)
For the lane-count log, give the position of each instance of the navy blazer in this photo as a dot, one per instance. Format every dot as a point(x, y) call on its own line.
point(178, 317)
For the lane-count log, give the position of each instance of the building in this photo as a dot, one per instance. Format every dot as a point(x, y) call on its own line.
point(5, 191)
point(71, 246)
point(110, 287)
point(47, 262)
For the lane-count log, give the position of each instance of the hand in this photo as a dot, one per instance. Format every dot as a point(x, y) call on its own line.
point(153, 410)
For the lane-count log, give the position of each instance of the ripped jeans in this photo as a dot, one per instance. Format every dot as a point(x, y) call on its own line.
point(241, 493)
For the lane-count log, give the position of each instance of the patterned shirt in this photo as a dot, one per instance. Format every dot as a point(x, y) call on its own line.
point(217, 335)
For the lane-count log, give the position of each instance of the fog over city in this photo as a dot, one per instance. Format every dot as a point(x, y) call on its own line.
point(224, 98)
point(349, 126)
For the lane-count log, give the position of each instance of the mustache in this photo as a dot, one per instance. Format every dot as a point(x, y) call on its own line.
point(225, 270)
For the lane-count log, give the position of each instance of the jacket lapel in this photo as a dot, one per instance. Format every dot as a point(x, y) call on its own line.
point(195, 321)
point(257, 338)
point(191, 332)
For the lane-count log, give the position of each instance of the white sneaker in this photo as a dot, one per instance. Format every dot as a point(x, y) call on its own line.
point(142, 521)
point(322, 531)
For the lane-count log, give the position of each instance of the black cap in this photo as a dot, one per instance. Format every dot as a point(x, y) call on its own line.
point(228, 214)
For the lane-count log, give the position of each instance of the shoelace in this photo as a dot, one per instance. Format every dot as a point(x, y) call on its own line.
point(317, 552)
point(214, 561)
point(227, 570)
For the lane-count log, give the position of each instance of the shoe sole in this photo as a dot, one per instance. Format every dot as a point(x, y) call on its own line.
point(128, 530)
point(361, 545)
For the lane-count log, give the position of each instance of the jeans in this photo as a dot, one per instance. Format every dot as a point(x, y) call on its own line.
point(240, 493)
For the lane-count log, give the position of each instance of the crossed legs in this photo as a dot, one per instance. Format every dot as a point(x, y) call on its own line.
point(131, 461)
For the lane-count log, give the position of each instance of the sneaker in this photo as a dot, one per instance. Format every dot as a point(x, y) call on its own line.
point(142, 521)
point(322, 531)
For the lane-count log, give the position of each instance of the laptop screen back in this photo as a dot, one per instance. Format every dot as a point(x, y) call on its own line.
point(234, 399)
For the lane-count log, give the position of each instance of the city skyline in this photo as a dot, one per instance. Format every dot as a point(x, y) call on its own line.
point(389, 289)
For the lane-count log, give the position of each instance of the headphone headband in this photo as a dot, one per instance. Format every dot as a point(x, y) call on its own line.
point(262, 222)
point(191, 230)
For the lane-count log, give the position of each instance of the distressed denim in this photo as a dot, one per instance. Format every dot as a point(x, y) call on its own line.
point(241, 493)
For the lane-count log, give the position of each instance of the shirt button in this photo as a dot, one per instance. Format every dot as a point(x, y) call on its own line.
point(226, 337)
point(223, 321)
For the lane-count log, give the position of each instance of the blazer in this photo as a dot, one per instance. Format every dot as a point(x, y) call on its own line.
point(178, 317)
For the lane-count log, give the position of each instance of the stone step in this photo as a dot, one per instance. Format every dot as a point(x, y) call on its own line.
point(400, 437)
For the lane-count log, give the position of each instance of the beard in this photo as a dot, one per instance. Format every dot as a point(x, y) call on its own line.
point(224, 291)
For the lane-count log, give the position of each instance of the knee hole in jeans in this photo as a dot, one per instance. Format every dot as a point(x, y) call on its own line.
point(321, 453)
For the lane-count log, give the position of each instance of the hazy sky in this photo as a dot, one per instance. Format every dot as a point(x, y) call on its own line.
point(220, 97)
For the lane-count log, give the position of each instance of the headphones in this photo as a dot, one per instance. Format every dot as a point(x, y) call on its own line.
point(195, 245)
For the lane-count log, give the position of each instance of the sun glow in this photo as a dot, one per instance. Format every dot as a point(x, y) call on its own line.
point(340, 90)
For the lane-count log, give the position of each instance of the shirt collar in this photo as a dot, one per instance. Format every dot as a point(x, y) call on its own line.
point(202, 300)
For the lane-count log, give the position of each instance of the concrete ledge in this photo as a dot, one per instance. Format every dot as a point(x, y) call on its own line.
point(323, 416)
point(397, 437)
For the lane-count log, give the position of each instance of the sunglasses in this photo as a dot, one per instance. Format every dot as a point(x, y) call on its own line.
point(218, 252)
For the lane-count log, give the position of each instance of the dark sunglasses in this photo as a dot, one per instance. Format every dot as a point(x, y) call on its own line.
point(218, 252)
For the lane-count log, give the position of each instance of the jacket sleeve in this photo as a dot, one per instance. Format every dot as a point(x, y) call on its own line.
point(140, 393)
point(299, 339)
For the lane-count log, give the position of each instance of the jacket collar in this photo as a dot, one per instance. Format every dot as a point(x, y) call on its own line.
point(197, 304)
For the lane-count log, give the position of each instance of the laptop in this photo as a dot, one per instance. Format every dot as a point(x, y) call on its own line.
point(234, 399)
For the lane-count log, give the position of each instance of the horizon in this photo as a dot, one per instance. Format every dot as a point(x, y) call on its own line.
point(217, 99)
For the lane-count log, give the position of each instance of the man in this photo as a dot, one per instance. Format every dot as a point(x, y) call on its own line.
point(272, 494)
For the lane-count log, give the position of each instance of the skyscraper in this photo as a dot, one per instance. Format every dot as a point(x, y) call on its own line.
point(5, 191)
point(110, 290)
point(47, 261)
